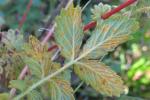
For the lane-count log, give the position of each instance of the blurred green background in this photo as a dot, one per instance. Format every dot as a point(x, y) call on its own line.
point(130, 60)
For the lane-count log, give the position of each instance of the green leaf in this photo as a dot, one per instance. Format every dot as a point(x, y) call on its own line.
point(99, 10)
point(109, 34)
point(69, 33)
point(100, 77)
point(60, 90)
point(34, 95)
point(18, 84)
point(34, 66)
point(13, 40)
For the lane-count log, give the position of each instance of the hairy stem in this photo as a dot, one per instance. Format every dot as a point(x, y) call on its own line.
point(44, 80)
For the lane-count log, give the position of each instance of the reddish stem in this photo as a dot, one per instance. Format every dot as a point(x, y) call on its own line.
point(48, 35)
point(21, 22)
point(89, 26)
point(52, 48)
point(120, 7)
point(110, 13)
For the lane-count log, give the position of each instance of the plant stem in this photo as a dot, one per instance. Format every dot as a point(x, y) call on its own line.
point(52, 48)
point(44, 80)
point(25, 14)
point(49, 34)
point(109, 14)
point(77, 88)
point(120, 7)
point(55, 55)
point(89, 26)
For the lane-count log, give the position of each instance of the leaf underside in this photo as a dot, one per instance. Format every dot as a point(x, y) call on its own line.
point(34, 95)
point(108, 35)
point(60, 90)
point(69, 33)
point(100, 77)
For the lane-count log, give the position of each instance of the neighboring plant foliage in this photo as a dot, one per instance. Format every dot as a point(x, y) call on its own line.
point(49, 79)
